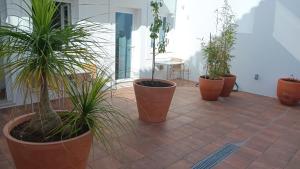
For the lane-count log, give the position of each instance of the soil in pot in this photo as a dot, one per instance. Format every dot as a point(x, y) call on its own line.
point(150, 83)
point(210, 90)
point(288, 91)
point(153, 99)
point(229, 82)
point(22, 132)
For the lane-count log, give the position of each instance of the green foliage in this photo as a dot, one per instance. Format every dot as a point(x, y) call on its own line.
point(93, 110)
point(211, 52)
point(226, 24)
point(218, 51)
point(155, 28)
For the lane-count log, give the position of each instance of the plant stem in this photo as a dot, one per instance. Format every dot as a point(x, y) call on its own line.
point(45, 105)
point(46, 120)
point(153, 59)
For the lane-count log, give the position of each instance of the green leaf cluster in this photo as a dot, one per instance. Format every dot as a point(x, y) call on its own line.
point(227, 26)
point(155, 28)
point(211, 52)
point(93, 110)
point(218, 51)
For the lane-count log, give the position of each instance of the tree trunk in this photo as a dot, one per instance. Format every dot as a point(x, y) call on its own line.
point(153, 60)
point(44, 121)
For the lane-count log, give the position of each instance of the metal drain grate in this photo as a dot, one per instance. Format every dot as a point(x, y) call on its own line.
point(216, 157)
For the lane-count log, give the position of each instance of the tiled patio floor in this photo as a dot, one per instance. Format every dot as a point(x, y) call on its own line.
point(269, 131)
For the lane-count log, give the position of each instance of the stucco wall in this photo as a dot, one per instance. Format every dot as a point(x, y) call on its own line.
point(103, 11)
point(267, 40)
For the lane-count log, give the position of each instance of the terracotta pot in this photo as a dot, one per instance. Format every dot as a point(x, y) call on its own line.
point(229, 82)
point(153, 102)
point(67, 154)
point(288, 91)
point(210, 90)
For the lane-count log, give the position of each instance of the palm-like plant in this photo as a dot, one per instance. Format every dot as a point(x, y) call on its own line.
point(47, 56)
point(92, 111)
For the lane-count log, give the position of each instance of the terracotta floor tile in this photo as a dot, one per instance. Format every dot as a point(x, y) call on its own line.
point(105, 163)
point(294, 163)
point(5, 165)
point(164, 158)
point(193, 130)
point(242, 158)
point(144, 163)
point(259, 143)
point(261, 165)
point(182, 164)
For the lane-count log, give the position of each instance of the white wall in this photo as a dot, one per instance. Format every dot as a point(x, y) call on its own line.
point(103, 11)
point(267, 40)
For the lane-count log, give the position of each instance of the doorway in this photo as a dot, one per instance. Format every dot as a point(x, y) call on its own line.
point(124, 26)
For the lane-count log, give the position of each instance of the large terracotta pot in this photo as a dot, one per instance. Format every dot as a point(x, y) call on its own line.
point(153, 102)
point(210, 90)
point(288, 91)
point(229, 82)
point(67, 154)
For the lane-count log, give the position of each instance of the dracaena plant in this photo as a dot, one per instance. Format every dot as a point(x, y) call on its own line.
point(93, 110)
point(155, 28)
point(46, 57)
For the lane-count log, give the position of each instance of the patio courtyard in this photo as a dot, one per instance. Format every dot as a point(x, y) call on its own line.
point(267, 132)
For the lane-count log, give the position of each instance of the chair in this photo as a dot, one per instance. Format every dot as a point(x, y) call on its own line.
point(91, 69)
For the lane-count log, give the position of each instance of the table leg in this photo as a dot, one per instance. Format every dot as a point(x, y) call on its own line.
point(167, 71)
point(183, 71)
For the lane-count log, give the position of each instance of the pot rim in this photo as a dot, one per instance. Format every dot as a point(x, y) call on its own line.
point(220, 79)
point(288, 80)
point(229, 76)
point(22, 118)
point(161, 80)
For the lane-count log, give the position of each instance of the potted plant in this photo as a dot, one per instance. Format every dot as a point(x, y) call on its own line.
point(288, 91)
point(154, 96)
point(211, 84)
point(47, 57)
point(226, 22)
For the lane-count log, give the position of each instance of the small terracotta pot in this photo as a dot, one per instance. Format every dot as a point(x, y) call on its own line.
point(288, 91)
point(229, 82)
point(210, 90)
point(67, 154)
point(153, 102)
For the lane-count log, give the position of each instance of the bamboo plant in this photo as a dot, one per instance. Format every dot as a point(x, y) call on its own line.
point(226, 24)
point(211, 52)
point(155, 28)
point(46, 56)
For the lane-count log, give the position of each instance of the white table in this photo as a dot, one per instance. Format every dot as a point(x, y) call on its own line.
point(169, 63)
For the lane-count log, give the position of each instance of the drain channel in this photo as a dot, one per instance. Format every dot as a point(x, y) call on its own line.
point(216, 157)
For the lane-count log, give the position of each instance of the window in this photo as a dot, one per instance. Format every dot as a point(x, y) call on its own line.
point(162, 32)
point(63, 15)
point(3, 11)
